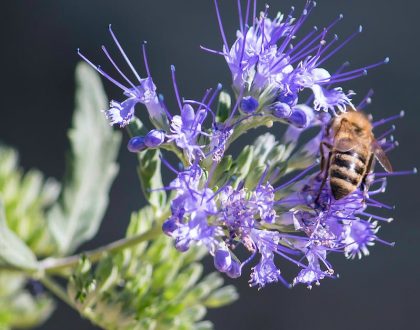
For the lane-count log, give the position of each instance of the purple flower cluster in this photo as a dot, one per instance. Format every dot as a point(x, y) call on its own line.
point(231, 206)
point(234, 216)
point(269, 71)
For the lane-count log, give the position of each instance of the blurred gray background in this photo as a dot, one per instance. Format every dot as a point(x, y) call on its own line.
point(38, 57)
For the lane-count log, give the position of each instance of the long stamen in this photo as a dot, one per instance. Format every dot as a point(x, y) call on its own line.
point(146, 63)
point(263, 175)
point(219, 19)
point(347, 78)
point(341, 45)
point(344, 74)
point(247, 11)
point(378, 204)
point(386, 120)
point(116, 67)
point(243, 48)
point(290, 259)
point(263, 37)
point(241, 23)
point(123, 54)
point(392, 244)
point(165, 108)
point(383, 174)
point(304, 16)
point(102, 72)
point(391, 147)
point(235, 108)
point(176, 87)
point(366, 100)
point(373, 216)
point(297, 177)
point(212, 51)
point(293, 49)
point(216, 92)
point(300, 43)
point(254, 12)
point(168, 165)
point(384, 135)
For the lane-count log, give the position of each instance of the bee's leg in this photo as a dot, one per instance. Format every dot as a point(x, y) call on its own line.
point(364, 185)
point(321, 151)
point(325, 165)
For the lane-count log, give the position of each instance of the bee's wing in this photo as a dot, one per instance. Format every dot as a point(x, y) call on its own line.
point(381, 156)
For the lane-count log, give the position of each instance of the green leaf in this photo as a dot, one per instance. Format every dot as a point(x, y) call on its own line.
point(223, 107)
point(149, 170)
point(91, 169)
point(13, 251)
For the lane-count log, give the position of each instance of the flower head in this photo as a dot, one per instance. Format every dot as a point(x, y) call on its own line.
point(269, 67)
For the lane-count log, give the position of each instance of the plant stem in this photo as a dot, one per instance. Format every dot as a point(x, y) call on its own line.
point(51, 285)
point(54, 265)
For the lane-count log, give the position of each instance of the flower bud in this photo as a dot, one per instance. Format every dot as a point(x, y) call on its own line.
point(169, 226)
point(249, 104)
point(154, 138)
point(234, 270)
point(136, 144)
point(301, 116)
point(222, 259)
point(281, 110)
point(182, 245)
point(288, 98)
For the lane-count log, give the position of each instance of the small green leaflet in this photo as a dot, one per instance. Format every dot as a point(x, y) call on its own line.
point(13, 251)
point(91, 167)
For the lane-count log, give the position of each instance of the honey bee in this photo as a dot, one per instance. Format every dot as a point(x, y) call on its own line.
point(351, 155)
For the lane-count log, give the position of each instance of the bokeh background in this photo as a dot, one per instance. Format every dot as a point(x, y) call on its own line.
point(39, 41)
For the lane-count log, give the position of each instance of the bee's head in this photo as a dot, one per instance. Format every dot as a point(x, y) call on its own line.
point(355, 122)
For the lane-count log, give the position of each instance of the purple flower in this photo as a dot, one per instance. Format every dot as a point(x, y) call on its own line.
point(361, 234)
point(265, 271)
point(312, 273)
point(264, 201)
point(186, 130)
point(143, 91)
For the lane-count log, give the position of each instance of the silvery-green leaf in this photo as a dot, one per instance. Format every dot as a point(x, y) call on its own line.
point(263, 145)
point(91, 169)
point(222, 296)
point(25, 197)
point(22, 310)
point(204, 325)
point(13, 251)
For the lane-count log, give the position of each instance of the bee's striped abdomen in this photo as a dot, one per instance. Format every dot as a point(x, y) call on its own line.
point(347, 170)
